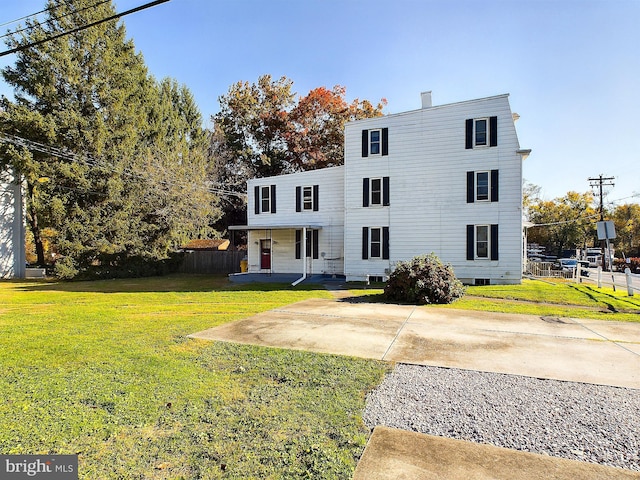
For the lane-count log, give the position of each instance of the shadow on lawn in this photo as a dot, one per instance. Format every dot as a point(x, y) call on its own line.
point(169, 283)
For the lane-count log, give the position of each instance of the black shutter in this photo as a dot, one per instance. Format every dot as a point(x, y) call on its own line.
point(365, 143)
point(471, 194)
point(273, 199)
point(494, 185)
point(314, 240)
point(256, 195)
point(385, 191)
point(298, 199)
point(365, 243)
point(493, 131)
point(385, 141)
point(470, 242)
point(316, 198)
point(385, 243)
point(298, 244)
point(494, 242)
point(365, 192)
point(468, 133)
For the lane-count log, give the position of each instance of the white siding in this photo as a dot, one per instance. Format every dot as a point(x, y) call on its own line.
point(427, 165)
point(12, 254)
point(329, 217)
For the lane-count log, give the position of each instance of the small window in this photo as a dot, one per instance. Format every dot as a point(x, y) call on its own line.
point(375, 141)
point(265, 199)
point(482, 186)
point(482, 241)
point(376, 243)
point(480, 131)
point(376, 191)
point(307, 198)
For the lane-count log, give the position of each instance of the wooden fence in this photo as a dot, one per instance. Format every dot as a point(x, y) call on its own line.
point(212, 261)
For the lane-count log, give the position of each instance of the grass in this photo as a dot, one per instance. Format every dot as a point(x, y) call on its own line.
point(535, 297)
point(104, 369)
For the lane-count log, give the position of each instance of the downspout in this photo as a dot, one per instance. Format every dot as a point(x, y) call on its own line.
point(304, 258)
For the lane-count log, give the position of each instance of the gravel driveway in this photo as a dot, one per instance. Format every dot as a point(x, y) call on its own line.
point(578, 421)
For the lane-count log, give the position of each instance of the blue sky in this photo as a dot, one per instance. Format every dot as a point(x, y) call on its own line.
point(571, 67)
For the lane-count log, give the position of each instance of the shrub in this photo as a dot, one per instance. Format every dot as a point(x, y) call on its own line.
point(423, 280)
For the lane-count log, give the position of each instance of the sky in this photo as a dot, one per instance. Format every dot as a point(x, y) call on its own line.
point(571, 67)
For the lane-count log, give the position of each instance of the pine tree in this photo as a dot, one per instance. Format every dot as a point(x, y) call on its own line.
point(90, 93)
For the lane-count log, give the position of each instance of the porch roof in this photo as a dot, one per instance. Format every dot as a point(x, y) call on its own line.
point(275, 227)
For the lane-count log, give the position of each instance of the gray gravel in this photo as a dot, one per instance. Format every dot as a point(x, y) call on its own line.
point(578, 421)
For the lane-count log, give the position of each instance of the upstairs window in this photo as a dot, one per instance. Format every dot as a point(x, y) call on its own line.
point(375, 192)
point(482, 186)
point(375, 142)
point(264, 199)
point(481, 132)
point(307, 198)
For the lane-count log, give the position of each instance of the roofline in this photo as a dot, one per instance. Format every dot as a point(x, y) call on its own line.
point(274, 227)
point(435, 107)
point(305, 172)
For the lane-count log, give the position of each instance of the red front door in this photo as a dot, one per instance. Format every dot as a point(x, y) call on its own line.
point(265, 254)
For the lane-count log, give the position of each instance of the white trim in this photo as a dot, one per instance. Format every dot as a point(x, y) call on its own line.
point(476, 241)
point(477, 183)
point(378, 142)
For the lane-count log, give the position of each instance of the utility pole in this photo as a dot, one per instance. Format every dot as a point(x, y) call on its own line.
point(600, 182)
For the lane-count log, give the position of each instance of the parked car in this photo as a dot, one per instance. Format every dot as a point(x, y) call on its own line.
point(571, 264)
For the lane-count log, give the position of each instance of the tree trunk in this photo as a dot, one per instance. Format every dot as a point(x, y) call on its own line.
point(32, 219)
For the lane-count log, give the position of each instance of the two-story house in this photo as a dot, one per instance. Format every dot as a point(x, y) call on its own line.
point(445, 179)
point(12, 230)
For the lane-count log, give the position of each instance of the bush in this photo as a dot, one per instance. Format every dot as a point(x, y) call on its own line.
point(423, 280)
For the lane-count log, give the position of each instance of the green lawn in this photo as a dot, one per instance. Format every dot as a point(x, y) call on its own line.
point(536, 297)
point(104, 369)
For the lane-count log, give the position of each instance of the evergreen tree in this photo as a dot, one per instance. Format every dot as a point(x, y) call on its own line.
point(89, 93)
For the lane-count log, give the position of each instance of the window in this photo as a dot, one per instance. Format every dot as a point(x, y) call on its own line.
point(264, 195)
point(482, 242)
point(307, 198)
point(375, 142)
point(375, 243)
point(375, 191)
point(311, 244)
point(482, 186)
point(264, 199)
point(481, 132)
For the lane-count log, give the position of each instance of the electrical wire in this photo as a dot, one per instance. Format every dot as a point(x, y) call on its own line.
point(83, 27)
point(51, 19)
point(68, 155)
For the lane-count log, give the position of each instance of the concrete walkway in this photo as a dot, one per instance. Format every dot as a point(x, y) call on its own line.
point(578, 350)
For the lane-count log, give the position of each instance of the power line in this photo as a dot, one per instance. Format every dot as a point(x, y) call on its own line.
point(601, 181)
point(68, 155)
point(52, 18)
point(84, 27)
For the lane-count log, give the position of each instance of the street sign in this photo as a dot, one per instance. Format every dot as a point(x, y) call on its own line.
point(606, 230)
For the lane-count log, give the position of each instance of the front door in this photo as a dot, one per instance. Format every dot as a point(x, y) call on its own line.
point(265, 254)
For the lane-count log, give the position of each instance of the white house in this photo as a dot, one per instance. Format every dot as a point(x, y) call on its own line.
point(12, 250)
point(445, 179)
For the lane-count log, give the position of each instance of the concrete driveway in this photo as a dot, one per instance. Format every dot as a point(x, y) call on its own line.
point(577, 350)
